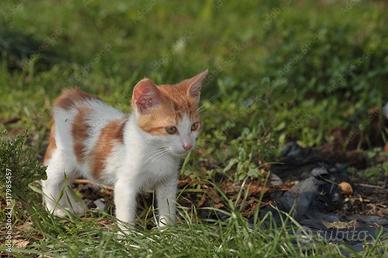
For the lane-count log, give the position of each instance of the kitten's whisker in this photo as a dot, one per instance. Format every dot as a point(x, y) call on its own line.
point(155, 155)
point(154, 158)
point(151, 157)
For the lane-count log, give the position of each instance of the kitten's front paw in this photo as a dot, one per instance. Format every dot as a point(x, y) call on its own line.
point(164, 222)
point(124, 228)
point(122, 234)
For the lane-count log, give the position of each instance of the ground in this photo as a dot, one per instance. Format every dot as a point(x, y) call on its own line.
point(312, 73)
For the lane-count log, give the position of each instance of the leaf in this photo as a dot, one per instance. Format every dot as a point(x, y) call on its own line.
point(231, 163)
point(20, 243)
point(340, 224)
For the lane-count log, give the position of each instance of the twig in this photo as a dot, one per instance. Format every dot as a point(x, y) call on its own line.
point(11, 121)
point(85, 182)
point(371, 186)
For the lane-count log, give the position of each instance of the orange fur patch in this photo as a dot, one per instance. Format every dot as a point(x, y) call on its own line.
point(71, 97)
point(174, 104)
point(80, 132)
point(110, 135)
point(52, 145)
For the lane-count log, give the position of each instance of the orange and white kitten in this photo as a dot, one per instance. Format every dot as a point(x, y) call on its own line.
point(137, 152)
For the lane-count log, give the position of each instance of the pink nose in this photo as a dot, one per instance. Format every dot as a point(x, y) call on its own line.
point(187, 146)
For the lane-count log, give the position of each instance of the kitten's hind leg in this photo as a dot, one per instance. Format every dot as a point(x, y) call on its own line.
point(72, 202)
point(55, 193)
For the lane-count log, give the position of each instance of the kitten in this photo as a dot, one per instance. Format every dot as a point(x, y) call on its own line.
point(134, 153)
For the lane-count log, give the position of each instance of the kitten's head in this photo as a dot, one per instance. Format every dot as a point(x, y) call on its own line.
point(169, 114)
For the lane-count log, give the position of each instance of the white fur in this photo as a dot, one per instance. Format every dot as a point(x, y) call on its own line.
point(143, 162)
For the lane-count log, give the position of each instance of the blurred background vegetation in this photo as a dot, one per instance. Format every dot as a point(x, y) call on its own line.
point(311, 71)
point(279, 70)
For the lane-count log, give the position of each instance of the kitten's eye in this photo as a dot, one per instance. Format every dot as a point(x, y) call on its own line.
point(195, 126)
point(171, 130)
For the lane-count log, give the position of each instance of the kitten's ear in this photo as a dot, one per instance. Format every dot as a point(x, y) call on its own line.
point(195, 85)
point(145, 96)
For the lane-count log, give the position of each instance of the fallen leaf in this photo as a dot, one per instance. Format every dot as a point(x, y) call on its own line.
point(20, 243)
point(340, 224)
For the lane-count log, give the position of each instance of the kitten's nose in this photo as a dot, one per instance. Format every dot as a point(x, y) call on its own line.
point(187, 146)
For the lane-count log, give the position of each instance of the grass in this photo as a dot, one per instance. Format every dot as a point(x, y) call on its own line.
point(77, 238)
point(279, 71)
